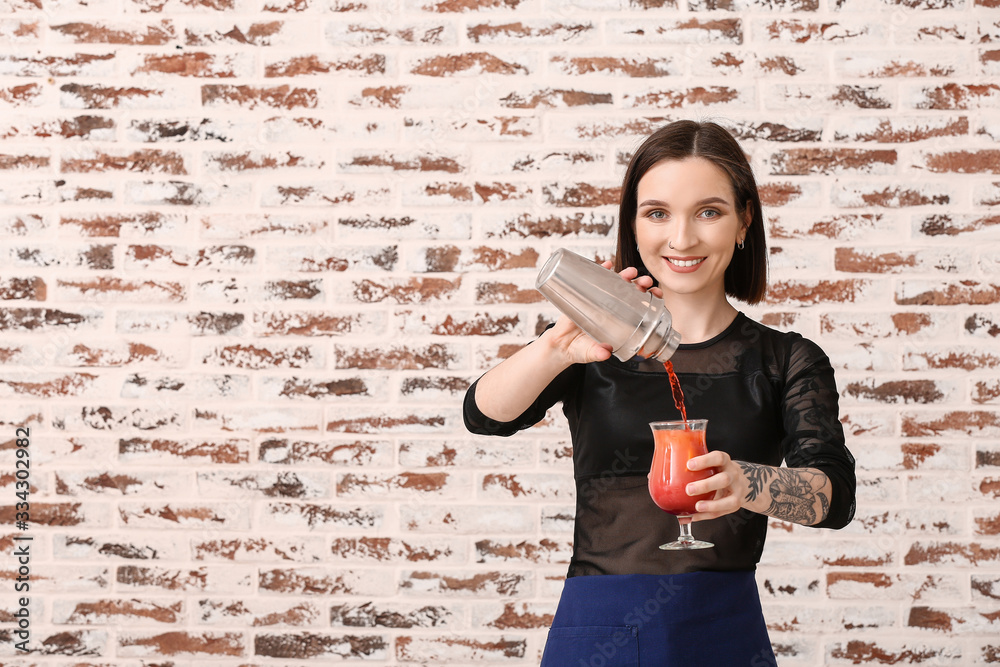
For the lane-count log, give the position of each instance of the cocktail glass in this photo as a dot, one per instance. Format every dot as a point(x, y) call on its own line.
point(675, 443)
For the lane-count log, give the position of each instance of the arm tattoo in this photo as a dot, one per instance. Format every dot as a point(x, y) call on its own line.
point(793, 492)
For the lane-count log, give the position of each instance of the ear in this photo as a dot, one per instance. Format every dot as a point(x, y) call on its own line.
point(747, 221)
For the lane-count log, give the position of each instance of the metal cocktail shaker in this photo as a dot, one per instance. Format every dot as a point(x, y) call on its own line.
point(609, 309)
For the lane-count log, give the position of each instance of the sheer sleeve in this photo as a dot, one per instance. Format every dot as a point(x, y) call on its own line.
point(477, 422)
point(814, 436)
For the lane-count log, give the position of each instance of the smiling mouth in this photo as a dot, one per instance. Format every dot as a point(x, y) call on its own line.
point(685, 262)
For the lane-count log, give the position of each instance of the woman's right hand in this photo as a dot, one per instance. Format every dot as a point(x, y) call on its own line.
point(578, 347)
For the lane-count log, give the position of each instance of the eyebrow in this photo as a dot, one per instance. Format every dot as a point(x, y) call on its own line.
point(703, 202)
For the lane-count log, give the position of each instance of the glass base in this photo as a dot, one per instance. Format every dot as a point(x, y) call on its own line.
point(677, 545)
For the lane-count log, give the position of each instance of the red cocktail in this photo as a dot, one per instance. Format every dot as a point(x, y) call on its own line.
point(675, 443)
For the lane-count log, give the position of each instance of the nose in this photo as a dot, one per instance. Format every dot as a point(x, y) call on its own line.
point(684, 234)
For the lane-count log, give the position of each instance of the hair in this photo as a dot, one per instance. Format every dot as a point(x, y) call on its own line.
point(746, 275)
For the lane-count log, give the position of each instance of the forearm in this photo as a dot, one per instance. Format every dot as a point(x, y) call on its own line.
point(799, 495)
point(510, 388)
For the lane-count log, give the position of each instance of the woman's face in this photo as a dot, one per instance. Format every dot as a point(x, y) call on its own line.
point(690, 205)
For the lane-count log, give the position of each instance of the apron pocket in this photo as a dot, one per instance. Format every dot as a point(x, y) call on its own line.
point(592, 646)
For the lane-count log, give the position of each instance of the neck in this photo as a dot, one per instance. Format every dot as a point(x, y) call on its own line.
point(697, 320)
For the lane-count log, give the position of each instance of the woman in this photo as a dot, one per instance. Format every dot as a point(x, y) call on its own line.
point(690, 230)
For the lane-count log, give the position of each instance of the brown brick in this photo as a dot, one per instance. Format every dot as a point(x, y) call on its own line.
point(15, 289)
point(364, 65)
point(23, 95)
point(249, 97)
point(897, 391)
point(926, 293)
point(251, 613)
point(366, 454)
point(952, 225)
point(558, 98)
point(107, 97)
point(223, 451)
point(256, 34)
point(964, 162)
point(959, 96)
point(154, 34)
point(183, 644)
point(111, 612)
point(802, 161)
point(304, 646)
point(368, 615)
point(532, 32)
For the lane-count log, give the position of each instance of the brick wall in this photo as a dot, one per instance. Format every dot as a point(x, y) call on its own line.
point(253, 252)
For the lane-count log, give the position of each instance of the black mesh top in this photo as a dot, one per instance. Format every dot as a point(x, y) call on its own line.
point(768, 397)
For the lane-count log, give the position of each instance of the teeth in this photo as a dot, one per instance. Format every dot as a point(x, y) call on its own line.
point(687, 262)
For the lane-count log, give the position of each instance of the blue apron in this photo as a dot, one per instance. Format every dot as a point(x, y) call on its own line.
point(697, 619)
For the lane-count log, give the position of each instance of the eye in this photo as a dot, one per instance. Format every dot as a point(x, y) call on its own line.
point(710, 213)
point(657, 215)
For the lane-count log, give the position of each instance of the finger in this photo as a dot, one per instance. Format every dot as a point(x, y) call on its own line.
point(629, 273)
point(657, 292)
point(713, 509)
point(716, 482)
point(716, 459)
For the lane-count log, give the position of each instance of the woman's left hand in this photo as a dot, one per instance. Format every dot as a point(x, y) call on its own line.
point(729, 484)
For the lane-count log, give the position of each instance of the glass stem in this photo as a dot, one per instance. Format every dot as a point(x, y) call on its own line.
point(685, 523)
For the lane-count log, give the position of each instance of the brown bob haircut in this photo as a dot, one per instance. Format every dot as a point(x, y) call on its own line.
point(746, 275)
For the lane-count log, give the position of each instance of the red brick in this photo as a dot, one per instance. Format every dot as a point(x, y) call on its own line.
point(325, 581)
point(843, 227)
point(379, 33)
point(303, 646)
point(360, 453)
point(391, 550)
point(24, 162)
point(265, 33)
point(560, 98)
point(258, 357)
point(16, 289)
point(406, 291)
point(75, 95)
point(217, 516)
point(221, 451)
point(477, 64)
point(487, 584)
point(28, 94)
point(249, 97)
point(153, 34)
point(364, 161)
point(324, 516)
point(954, 96)
point(438, 650)
point(821, 291)
point(951, 553)
point(124, 225)
point(368, 422)
point(257, 613)
point(690, 97)
point(802, 161)
point(900, 130)
point(887, 195)
point(81, 64)
point(901, 391)
point(964, 162)
point(926, 293)
point(879, 260)
point(258, 550)
point(286, 323)
point(197, 64)
point(251, 161)
point(543, 551)
point(954, 225)
point(965, 358)
point(530, 32)
point(361, 65)
point(183, 643)
point(860, 652)
point(113, 612)
point(401, 485)
point(975, 423)
point(401, 616)
point(282, 484)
